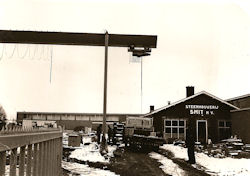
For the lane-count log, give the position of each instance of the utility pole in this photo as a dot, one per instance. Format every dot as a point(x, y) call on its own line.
point(103, 147)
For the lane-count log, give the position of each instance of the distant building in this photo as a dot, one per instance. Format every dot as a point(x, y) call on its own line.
point(241, 117)
point(70, 120)
point(211, 115)
point(240, 101)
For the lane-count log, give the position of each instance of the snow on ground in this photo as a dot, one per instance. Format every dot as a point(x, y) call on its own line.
point(83, 169)
point(91, 153)
point(168, 166)
point(86, 139)
point(214, 166)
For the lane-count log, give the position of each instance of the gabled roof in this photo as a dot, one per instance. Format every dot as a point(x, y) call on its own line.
point(239, 97)
point(191, 97)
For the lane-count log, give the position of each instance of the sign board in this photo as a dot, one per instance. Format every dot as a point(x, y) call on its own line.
point(201, 109)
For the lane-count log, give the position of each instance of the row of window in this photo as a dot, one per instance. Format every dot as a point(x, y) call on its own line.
point(68, 117)
point(174, 127)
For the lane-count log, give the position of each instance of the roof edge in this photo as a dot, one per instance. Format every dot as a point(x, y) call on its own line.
point(188, 98)
point(243, 109)
point(74, 113)
point(238, 97)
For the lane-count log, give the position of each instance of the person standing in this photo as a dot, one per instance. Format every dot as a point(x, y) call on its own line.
point(99, 131)
point(110, 134)
point(190, 138)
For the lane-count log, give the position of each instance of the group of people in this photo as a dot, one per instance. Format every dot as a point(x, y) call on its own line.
point(111, 136)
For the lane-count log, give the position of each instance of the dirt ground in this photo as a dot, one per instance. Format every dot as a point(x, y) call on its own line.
point(136, 164)
point(189, 170)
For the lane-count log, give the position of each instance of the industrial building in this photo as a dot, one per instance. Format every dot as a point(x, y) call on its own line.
point(69, 120)
point(210, 113)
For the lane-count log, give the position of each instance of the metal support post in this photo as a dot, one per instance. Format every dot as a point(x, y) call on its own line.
point(104, 142)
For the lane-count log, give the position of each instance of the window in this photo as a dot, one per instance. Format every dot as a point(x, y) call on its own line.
point(168, 130)
point(181, 123)
point(168, 123)
point(181, 130)
point(175, 128)
point(224, 127)
point(174, 123)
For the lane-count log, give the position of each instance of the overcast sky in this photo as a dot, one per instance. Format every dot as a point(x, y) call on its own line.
point(200, 43)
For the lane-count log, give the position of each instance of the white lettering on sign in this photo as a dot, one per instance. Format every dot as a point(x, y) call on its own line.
point(201, 109)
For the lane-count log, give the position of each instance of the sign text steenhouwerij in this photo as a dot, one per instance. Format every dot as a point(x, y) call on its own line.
point(201, 109)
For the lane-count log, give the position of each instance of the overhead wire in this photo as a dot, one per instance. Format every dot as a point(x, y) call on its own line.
point(34, 53)
point(25, 53)
point(41, 52)
point(2, 52)
point(38, 53)
point(13, 52)
point(51, 57)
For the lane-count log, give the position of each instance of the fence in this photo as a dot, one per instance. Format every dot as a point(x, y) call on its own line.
point(30, 152)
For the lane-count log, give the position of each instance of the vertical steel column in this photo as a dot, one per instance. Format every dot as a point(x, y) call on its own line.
point(13, 162)
point(22, 161)
point(2, 163)
point(28, 161)
point(35, 160)
point(103, 144)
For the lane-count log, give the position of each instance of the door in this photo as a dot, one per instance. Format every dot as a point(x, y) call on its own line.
point(201, 131)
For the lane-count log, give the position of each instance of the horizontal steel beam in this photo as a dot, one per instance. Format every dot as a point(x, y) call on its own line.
point(66, 38)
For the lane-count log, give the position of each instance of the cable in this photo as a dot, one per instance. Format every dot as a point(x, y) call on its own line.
point(48, 52)
point(2, 52)
point(11, 56)
point(36, 48)
point(141, 85)
point(25, 53)
point(51, 56)
point(41, 53)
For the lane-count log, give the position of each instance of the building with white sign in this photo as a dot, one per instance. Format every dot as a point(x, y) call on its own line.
point(210, 114)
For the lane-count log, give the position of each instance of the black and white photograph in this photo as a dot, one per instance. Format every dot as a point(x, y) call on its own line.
point(124, 88)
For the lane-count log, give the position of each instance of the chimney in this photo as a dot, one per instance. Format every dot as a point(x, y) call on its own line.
point(190, 91)
point(152, 108)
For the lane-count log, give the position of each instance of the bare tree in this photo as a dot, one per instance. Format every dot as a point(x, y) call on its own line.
point(2, 117)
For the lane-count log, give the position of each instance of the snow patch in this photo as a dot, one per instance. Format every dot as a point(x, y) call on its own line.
point(83, 169)
point(216, 166)
point(168, 166)
point(91, 153)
